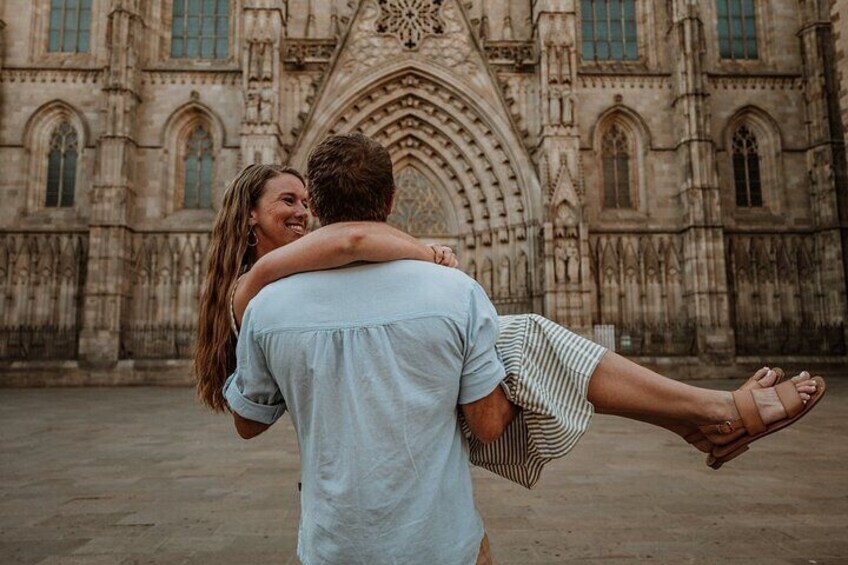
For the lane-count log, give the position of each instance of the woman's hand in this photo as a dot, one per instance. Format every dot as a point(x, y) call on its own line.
point(443, 255)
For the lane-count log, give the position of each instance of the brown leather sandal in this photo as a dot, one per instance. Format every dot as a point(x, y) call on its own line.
point(732, 438)
point(697, 438)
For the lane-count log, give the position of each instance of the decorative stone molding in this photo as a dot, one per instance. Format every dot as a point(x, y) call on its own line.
point(519, 56)
point(773, 278)
point(300, 53)
point(197, 76)
point(756, 82)
point(41, 277)
point(42, 75)
point(520, 91)
point(638, 277)
point(167, 271)
point(624, 80)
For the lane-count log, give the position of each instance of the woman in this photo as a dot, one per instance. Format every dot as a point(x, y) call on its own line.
point(260, 236)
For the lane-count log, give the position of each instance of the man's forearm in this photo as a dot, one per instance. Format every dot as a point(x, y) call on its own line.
point(489, 417)
point(248, 429)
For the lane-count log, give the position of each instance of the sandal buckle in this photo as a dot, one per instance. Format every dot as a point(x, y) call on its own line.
point(726, 427)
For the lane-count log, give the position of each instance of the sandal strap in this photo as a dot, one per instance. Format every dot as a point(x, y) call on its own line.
point(697, 435)
point(724, 428)
point(747, 408)
point(789, 397)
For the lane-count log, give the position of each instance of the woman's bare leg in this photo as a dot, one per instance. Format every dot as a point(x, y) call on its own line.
point(622, 388)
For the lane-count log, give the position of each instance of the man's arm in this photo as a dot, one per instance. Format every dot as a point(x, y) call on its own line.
point(252, 394)
point(248, 429)
point(490, 416)
point(485, 406)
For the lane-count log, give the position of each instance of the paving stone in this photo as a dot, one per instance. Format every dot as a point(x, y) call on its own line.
point(145, 476)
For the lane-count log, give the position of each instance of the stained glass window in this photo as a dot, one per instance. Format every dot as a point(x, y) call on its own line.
point(62, 167)
point(609, 30)
point(197, 170)
point(616, 169)
point(737, 29)
point(70, 26)
point(200, 29)
point(746, 169)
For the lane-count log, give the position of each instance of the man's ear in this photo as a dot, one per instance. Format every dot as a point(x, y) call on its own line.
point(391, 203)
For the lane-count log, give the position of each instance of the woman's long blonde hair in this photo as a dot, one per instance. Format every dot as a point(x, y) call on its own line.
point(229, 257)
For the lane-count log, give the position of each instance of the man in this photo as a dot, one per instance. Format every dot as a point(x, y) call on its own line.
point(371, 362)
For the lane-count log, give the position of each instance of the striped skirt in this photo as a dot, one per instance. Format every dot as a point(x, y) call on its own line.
point(547, 375)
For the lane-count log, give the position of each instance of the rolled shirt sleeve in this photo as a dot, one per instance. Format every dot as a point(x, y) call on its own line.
point(482, 370)
point(251, 391)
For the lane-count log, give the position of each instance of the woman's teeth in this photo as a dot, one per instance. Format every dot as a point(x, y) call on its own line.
point(296, 228)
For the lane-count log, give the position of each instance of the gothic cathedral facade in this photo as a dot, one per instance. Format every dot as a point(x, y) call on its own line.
point(668, 177)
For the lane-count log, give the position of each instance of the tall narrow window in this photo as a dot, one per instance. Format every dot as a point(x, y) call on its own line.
point(200, 29)
point(746, 169)
point(197, 176)
point(616, 161)
point(70, 26)
point(62, 167)
point(609, 30)
point(737, 29)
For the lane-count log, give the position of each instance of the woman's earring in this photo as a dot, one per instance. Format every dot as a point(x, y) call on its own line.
point(255, 241)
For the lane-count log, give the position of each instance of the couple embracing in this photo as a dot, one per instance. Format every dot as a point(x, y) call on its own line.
point(396, 370)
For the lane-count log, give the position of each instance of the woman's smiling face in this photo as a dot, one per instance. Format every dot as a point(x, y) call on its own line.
point(281, 215)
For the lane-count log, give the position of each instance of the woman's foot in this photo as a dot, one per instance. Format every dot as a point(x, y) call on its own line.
point(763, 378)
point(768, 406)
point(755, 414)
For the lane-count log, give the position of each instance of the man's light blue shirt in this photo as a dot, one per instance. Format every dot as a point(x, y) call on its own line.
point(371, 362)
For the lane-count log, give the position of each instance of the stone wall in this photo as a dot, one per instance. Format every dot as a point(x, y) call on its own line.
point(497, 127)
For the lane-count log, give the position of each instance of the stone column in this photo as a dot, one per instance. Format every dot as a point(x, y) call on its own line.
point(839, 23)
point(264, 32)
point(112, 195)
point(567, 280)
point(705, 274)
point(2, 57)
point(825, 157)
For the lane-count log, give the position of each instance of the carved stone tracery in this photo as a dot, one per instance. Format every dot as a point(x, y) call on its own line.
point(451, 47)
point(410, 20)
point(418, 209)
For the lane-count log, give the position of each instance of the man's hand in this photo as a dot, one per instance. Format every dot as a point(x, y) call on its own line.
point(444, 255)
point(490, 416)
point(248, 429)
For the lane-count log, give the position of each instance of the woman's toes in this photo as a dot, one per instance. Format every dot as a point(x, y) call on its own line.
point(801, 377)
point(768, 378)
point(804, 396)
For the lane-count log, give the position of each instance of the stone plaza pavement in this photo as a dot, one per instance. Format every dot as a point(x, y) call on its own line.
point(146, 476)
